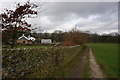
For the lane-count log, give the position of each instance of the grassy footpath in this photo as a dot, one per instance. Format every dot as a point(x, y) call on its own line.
point(86, 70)
point(70, 61)
point(107, 56)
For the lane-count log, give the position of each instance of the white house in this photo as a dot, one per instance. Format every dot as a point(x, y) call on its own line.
point(46, 41)
point(25, 40)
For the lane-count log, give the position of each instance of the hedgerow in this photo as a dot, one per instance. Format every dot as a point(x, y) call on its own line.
point(33, 62)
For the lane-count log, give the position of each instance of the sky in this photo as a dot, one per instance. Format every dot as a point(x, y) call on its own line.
point(96, 17)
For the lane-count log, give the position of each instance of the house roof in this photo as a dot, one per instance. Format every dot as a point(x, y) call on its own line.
point(27, 38)
point(23, 36)
point(31, 38)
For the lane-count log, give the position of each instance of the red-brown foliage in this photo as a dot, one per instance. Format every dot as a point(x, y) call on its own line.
point(13, 21)
point(75, 37)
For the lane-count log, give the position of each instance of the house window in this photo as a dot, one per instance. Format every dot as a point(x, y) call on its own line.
point(23, 41)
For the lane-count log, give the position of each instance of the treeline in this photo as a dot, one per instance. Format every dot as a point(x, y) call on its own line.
point(62, 37)
point(108, 38)
point(59, 36)
point(56, 36)
point(91, 38)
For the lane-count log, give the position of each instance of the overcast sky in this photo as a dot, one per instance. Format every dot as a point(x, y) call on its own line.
point(96, 17)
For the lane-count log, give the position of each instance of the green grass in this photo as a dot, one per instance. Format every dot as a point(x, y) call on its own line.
point(30, 46)
point(106, 55)
point(26, 46)
point(71, 61)
point(86, 70)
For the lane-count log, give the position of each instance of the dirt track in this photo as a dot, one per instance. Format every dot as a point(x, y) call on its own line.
point(95, 70)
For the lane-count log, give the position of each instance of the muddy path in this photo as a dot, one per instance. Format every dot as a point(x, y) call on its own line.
point(78, 69)
point(95, 71)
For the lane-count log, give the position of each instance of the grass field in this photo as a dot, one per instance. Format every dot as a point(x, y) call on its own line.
point(107, 56)
point(26, 46)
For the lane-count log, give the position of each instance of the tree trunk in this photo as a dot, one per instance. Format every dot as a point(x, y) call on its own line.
point(14, 38)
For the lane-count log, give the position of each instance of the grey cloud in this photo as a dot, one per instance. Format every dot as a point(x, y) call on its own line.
point(58, 14)
point(80, 8)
